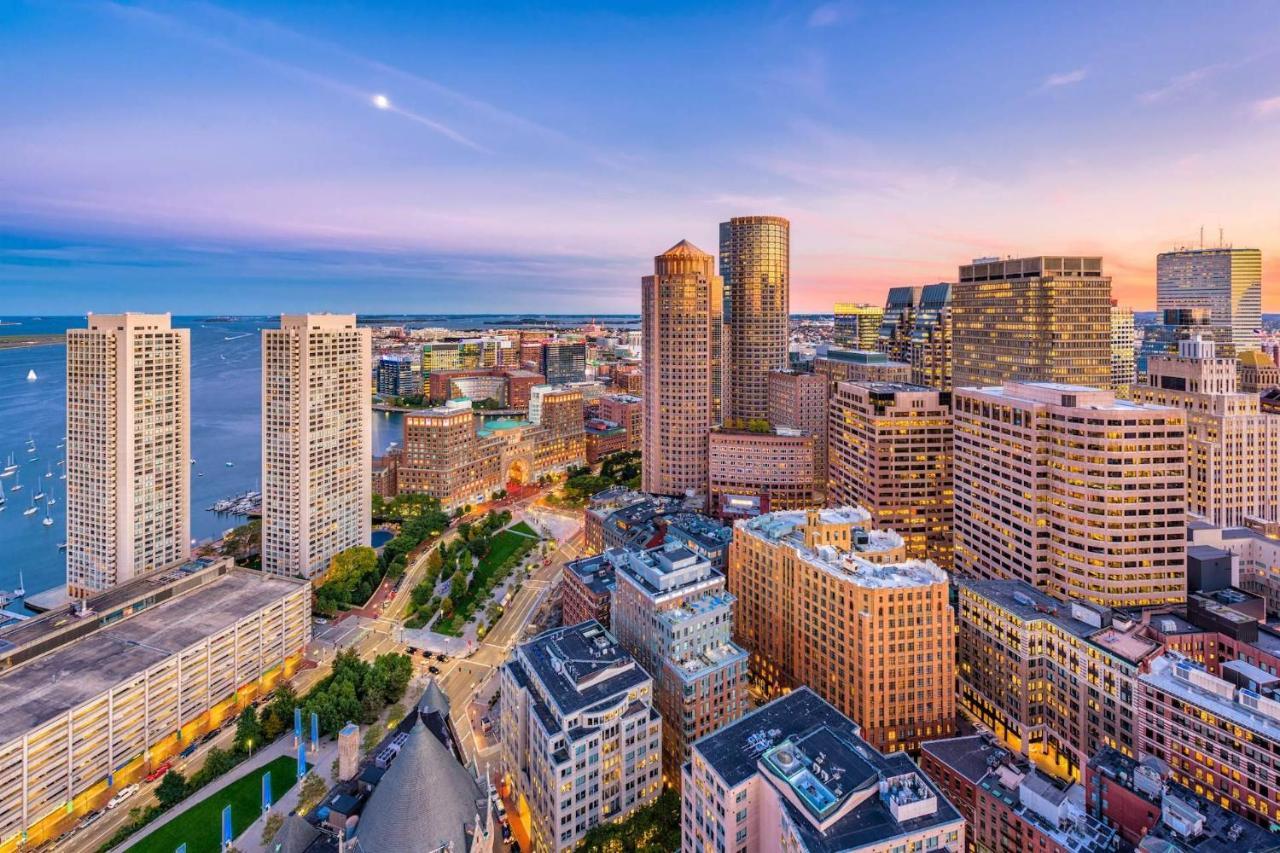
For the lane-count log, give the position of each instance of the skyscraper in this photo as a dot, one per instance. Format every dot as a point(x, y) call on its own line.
point(1042, 319)
point(316, 441)
point(856, 325)
point(128, 449)
point(755, 264)
point(1226, 281)
point(1123, 347)
point(899, 315)
point(681, 306)
point(929, 349)
point(1071, 490)
point(563, 362)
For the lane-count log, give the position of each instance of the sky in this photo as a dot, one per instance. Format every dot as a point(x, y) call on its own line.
point(239, 157)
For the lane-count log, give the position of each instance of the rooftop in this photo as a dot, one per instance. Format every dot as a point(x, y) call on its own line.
point(1184, 680)
point(1068, 396)
point(1212, 829)
point(87, 667)
point(972, 756)
point(596, 573)
point(581, 665)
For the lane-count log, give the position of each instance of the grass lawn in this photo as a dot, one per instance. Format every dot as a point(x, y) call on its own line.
point(201, 825)
point(523, 527)
point(486, 577)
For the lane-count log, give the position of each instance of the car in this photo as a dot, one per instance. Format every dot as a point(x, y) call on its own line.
point(89, 820)
point(209, 736)
point(506, 832)
point(191, 748)
point(433, 669)
point(442, 658)
point(320, 621)
point(515, 847)
point(119, 798)
point(158, 772)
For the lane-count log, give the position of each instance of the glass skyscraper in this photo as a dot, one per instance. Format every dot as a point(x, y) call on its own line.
point(1226, 281)
point(755, 263)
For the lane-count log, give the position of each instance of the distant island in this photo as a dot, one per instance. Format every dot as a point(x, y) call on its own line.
point(19, 341)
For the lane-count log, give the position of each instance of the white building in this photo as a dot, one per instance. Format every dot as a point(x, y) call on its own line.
point(1224, 280)
point(1124, 371)
point(317, 442)
point(128, 449)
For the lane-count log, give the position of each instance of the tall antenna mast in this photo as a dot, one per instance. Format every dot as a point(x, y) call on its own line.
point(1201, 236)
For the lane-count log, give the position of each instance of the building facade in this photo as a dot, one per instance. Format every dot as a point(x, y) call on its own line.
point(890, 451)
point(857, 326)
point(1123, 347)
point(92, 703)
point(581, 740)
point(587, 590)
point(798, 401)
point(317, 442)
point(929, 350)
point(1043, 319)
point(797, 775)
point(752, 472)
point(563, 362)
point(128, 449)
point(1226, 282)
point(1258, 372)
point(1073, 491)
point(398, 376)
point(628, 412)
point(1233, 447)
point(755, 265)
point(842, 365)
point(824, 601)
point(671, 611)
point(681, 320)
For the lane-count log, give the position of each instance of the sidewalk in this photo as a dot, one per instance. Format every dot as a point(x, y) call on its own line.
point(250, 841)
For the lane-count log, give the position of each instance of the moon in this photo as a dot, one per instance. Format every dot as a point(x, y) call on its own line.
point(382, 102)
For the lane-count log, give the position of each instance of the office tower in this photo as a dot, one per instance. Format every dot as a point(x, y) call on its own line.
point(798, 775)
point(581, 740)
point(845, 365)
point(128, 453)
point(469, 354)
point(755, 264)
point(398, 376)
point(891, 453)
point(1226, 281)
point(798, 401)
point(456, 456)
point(754, 471)
point(1233, 448)
point(670, 610)
point(1217, 736)
point(317, 442)
point(899, 316)
point(1052, 680)
point(1043, 319)
point(929, 349)
point(1258, 372)
point(93, 700)
point(627, 412)
point(1123, 347)
point(857, 325)
point(586, 591)
point(564, 361)
point(1071, 490)
point(824, 601)
point(681, 317)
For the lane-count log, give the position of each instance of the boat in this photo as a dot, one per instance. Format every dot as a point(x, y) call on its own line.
point(34, 458)
point(48, 522)
point(231, 464)
point(39, 495)
point(49, 473)
point(31, 510)
point(21, 591)
point(16, 487)
point(51, 501)
point(62, 546)
point(10, 467)
point(237, 337)
point(31, 376)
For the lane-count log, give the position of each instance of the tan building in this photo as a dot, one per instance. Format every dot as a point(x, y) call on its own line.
point(1225, 282)
point(890, 451)
point(1044, 319)
point(317, 442)
point(1071, 490)
point(844, 365)
point(1124, 371)
point(753, 472)
point(627, 412)
point(453, 454)
point(128, 453)
point(1233, 448)
point(1258, 372)
point(824, 601)
point(92, 702)
point(755, 264)
point(857, 325)
point(682, 305)
point(799, 401)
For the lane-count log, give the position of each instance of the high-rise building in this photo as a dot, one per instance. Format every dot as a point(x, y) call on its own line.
point(627, 412)
point(564, 361)
point(824, 601)
point(890, 446)
point(398, 376)
point(798, 401)
point(929, 350)
point(1226, 281)
point(755, 264)
point(898, 318)
point(1258, 372)
point(128, 453)
point(1233, 448)
point(681, 319)
point(1071, 490)
point(754, 471)
point(1043, 319)
point(670, 610)
point(857, 325)
point(1123, 347)
point(581, 740)
point(797, 775)
point(317, 442)
point(469, 354)
point(848, 365)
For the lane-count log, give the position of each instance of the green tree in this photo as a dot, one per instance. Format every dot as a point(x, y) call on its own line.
point(249, 732)
point(458, 587)
point(269, 829)
point(172, 789)
point(277, 715)
point(312, 791)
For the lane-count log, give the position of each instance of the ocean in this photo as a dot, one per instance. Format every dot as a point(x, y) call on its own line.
point(225, 425)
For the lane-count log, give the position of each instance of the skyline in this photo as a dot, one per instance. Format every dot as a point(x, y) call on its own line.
point(201, 158)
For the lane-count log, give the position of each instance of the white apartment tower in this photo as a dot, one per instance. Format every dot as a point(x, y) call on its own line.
point(128, 449)
point(316, 441)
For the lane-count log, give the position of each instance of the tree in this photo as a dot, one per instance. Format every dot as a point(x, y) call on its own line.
point(277, 716)
point(218, 761)
point(457, 587)
point(372, 737)
point(312, 791)
point(271, 827)
point(172, 789)
point(249, 732)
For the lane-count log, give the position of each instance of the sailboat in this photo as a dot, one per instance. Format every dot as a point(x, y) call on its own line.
point(48, 522)
point(39, 494)
point(31, 510)
point(10, 467)
point(51, 501)
point(16, 487)
point(49, 473)
point(21, 591)
point(31, 376)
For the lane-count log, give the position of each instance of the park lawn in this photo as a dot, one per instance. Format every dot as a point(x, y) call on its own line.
point(201, 825)
point(523, 527)
point(505, 544)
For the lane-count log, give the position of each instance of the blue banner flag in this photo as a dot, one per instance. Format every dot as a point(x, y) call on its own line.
point(182, 848)
point(226, 826)
point(302, 759)
point(297, 726)
point(315, 730)
point(266, 791)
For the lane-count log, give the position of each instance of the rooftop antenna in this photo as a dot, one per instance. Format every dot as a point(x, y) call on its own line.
point(1222, 243)
point(1201, 236)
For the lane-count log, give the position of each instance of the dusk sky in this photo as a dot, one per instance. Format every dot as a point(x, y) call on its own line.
point(231, 158)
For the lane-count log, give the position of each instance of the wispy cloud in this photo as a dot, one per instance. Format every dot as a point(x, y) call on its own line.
point(1184, 83)
point(1267, 107)
point(1064, 78)
point(830, 14)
